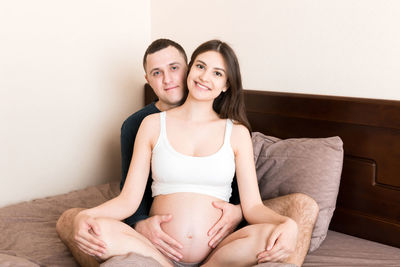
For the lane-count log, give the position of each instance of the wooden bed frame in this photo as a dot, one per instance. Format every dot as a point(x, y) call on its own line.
point(368, 204)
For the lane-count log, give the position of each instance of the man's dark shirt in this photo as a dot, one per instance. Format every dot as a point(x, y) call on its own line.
point(129, 130)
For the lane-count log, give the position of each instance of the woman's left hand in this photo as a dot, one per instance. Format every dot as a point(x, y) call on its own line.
point(281, 243)
point(230, 219)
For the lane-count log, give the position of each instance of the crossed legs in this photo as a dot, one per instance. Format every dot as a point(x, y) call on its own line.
point(238, 249)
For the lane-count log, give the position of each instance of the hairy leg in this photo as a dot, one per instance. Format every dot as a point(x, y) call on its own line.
point(65, 231)
point(241, 247)
point(304, 211)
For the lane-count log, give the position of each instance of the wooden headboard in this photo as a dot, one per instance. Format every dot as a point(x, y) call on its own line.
point(368, 204)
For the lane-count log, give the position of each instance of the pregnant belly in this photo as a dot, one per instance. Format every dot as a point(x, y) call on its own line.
point(192, 216)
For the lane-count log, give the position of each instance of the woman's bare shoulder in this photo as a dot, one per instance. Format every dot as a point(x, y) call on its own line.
point(150, 126)
point(240, 136)
point(239, 130)
point(151, 120)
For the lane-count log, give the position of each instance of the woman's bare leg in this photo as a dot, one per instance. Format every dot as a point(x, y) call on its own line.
point(122, 239)
point(241, 247)
point(304, 211)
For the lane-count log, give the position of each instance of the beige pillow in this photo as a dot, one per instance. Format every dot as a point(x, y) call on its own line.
point(311, 166)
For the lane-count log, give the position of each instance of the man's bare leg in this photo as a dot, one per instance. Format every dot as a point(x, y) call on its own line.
point(304, 211)
point(65, 231)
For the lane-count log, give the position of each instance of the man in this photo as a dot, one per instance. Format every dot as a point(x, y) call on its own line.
point(165, 65)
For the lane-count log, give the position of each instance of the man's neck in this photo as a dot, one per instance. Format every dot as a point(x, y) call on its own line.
point(164, 106)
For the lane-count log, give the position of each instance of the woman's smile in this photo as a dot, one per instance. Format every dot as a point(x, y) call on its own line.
point(201, 86)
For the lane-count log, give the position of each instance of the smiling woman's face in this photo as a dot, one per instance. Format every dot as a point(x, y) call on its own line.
point(207, 77)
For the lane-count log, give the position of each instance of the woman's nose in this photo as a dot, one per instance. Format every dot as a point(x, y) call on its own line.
point(204, 76)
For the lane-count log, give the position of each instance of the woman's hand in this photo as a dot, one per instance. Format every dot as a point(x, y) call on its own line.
point(151, 229)
point(86, 233)
point(281, 243)
point(231, 217)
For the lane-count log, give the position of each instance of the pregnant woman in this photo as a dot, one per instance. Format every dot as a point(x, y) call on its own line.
point(193, 151)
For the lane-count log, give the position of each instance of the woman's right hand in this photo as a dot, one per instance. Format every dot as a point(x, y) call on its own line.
point(86, 233)
point(281, 243)
point(151, 229)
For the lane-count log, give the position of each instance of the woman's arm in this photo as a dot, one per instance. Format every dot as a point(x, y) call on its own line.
point(126, 203)
point(254, 210)
point(282, 241)
point(86, 231)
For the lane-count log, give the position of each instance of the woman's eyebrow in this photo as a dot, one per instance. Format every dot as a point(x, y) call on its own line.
point(220, 69)
point(201, 61)
point(216, 68)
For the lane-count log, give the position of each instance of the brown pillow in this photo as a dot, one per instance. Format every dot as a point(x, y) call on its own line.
point(311, 166)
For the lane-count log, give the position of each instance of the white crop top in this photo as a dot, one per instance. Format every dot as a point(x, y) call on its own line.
point(174, 172)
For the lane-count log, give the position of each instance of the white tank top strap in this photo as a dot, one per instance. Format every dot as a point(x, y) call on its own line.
point(163, 130)
point(228, 132)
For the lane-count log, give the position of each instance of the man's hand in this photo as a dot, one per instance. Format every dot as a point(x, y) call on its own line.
point(231, 217)
point(281, 243)
point(86, 233)
point(151, 229)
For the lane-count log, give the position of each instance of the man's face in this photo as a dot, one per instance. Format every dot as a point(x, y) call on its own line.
point(166, 73)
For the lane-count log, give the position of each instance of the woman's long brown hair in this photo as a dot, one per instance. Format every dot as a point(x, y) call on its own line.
point(229, 104)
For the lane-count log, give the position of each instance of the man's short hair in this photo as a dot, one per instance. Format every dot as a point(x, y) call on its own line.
point(159, 44)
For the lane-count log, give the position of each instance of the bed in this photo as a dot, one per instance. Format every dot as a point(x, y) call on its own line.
point(364, 229)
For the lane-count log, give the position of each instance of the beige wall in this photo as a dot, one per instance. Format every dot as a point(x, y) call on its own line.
point(70, 73)
point(335, 47)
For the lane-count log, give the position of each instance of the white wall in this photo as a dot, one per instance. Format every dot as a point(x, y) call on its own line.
point(335, 47)
point(70, 73)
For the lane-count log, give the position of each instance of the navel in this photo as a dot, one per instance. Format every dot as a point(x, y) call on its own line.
point(189, 235)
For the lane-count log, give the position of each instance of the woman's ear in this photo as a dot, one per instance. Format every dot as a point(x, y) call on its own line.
point(226, 87)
